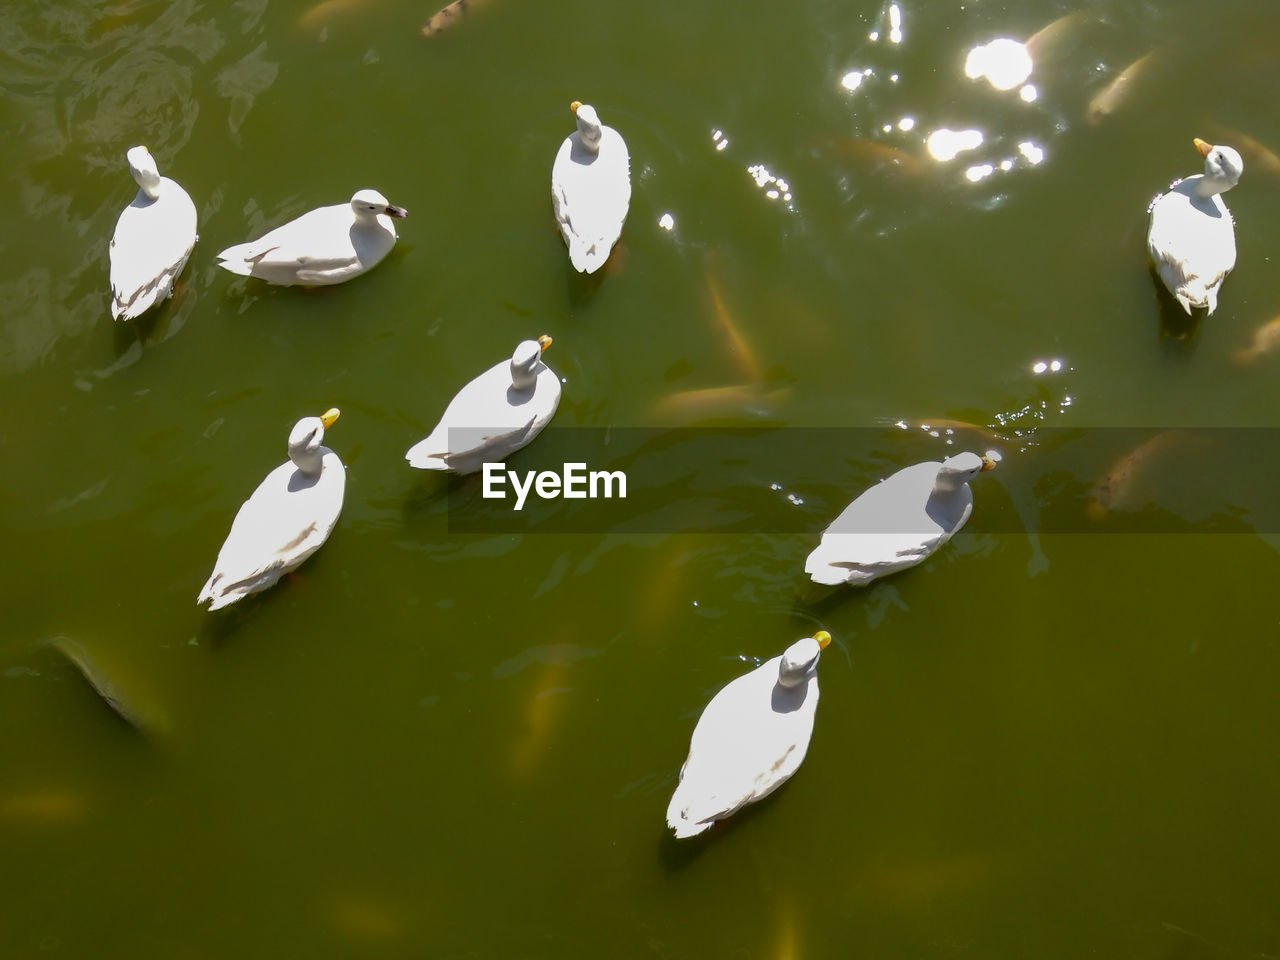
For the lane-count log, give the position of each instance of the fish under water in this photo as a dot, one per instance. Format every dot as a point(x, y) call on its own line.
point(1115, 490)
point(1042, 44)
point(943, 427)
point(1113, 95)
point(1265, 340)
point(447, 16)
point(743, 355)
point(542, 715)
point(323, 12)
point(1256, 153)
point(129, 706)
point(43, 806)
point(745, 400)
point(871, 154)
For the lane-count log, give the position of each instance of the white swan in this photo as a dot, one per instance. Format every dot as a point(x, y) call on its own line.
point(494, 415)
point(286, 520)
point(1192, 240)
point(323, 246)
point(591, 189)
point(154, 237)
point(750, 739)
point(898, 522)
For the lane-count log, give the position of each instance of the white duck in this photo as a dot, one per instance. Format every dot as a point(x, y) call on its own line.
point(494, 415)
point(1192, 240)
point(750, 739)
point(286, 520)
point(323, 246)
point(154, 237)
point(898, 522)
point(591, 189)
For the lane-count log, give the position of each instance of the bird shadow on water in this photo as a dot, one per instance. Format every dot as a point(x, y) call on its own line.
point(678, 854)
point(1177, 329)
point(221, 625)
point(583, 287)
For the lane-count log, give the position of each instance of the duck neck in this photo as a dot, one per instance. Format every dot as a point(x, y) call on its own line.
point(522, 378)
point(1210, 185)
point(308, 461)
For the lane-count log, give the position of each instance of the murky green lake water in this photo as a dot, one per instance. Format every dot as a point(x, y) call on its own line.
point(1053, 739)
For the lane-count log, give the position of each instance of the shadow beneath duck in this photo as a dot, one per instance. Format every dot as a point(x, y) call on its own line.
point(677, 854)
point(583, 287)
point(155, 326)
point(425, 495)
point(219, 625)
point(1176, 326)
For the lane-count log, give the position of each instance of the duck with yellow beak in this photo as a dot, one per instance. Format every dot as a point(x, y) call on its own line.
point(1192, 239)
point(750, 739)
point(494, 415)
point(591, 189)
point(287, 518)
point(897, 523)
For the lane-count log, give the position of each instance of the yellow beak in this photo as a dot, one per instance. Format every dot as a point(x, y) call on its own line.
point(329, 416)
point(823, 639)
point(987, 464)
point(575, 105)
point(544, 341)
point(1203, 147)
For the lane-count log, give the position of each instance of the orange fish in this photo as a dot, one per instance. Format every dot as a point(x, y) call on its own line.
point(1259, 157)
point(714, 402)
point(1113, 95)
point(1265, 339)
point(1040, 45)
point(322, 13)
point(48, 805)
point(742, 353)
point(542, 715)
point(448, 16)
point(1114, 491)
point(875, 155)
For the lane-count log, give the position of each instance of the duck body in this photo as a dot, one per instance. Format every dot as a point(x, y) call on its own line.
point(750, 739)
point(324, 246)
point(494, 415)
point(153, 240)
point(898, 523)
point(1192, 239)
point(286, 519)
point(591, 189)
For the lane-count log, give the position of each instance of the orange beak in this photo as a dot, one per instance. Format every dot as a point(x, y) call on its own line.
point(544, 341)
point(1203, 147)
point(575, 105)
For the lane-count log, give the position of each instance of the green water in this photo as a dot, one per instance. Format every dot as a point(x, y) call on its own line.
point(430, 743)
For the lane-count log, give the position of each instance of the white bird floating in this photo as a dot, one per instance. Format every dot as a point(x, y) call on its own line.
point(286, 520)
point(154, 237)
point(323, 246)
point(1192, 240)
point(591, 189)
point(750, 739)
point(898, 522)
point(494, 415)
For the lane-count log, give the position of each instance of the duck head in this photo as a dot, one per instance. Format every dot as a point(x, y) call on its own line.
point(589, 128)
point(369, 204)
point(801, 659)
point(143, 167)
point(305, 439)
point(526, 361)
point(1222, 166)
point(960, 469)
